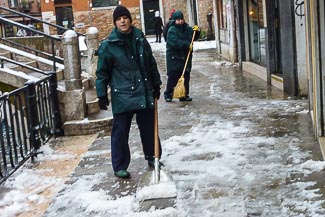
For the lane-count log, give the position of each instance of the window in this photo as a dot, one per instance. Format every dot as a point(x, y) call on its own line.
point(13, 3)
point(104, 3)
point(256, 32)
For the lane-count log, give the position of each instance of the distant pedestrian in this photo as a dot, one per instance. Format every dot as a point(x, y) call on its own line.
point(178, 46)
point(158, 25)
point(21, 32)
point(166, 27)
point(127, 65)
point(30, 33)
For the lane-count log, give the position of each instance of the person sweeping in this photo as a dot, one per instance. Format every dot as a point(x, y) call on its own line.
point(178, 46)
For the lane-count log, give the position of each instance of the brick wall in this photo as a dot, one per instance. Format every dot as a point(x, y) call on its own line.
point(102, 19)
point(203, 7)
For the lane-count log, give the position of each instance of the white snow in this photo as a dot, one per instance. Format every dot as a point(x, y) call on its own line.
point(69, 34)
point(31, 56)
point(92, 30)
point(82, 43)
point(19, 74)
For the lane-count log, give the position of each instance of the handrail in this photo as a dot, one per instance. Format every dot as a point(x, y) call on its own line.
point(57, 58)
point(38, 20)
point(29, 29)
point(29, 118)
point(22, 65)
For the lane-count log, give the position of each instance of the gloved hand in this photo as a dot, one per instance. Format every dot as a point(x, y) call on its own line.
point(156, 91)
point(196, 28)
point(103, 102)
point(191, 47)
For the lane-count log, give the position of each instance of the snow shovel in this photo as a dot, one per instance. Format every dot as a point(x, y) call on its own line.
point(156, 187)
point(179, 89)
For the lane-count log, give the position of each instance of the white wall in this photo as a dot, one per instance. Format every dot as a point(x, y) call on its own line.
point(301, 47)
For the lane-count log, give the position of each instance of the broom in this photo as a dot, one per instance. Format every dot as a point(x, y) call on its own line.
point(179, 89)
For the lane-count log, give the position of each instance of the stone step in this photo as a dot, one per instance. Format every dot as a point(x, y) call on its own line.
point(23, 54)
point(91, 101)
point(15, 78)
point(95, 123)
point(96, 120)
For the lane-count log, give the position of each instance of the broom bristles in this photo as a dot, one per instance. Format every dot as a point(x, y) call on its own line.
point(179, 90)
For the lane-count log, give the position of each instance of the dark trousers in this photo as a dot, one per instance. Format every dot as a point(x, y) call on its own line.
point(120, 150)
point(172, 81)
point(158, 37)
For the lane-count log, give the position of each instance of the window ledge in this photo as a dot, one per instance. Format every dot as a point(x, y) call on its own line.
point(103, 8)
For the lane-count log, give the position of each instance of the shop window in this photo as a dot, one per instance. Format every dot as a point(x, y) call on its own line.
point(256, 32)
point(104, 3)
point(223, 13)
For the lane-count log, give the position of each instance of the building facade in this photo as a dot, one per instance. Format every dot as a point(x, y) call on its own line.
point(267, 38)
point(315, 37)
point(226, 29)
point(82, 14)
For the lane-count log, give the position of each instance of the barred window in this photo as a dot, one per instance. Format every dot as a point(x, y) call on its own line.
point(104, 3)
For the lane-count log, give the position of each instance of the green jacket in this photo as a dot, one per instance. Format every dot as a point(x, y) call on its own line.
point(177, 47)
point(130, 77)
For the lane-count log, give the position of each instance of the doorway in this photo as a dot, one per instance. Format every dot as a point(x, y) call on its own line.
point(149, 8)
point(64, 17)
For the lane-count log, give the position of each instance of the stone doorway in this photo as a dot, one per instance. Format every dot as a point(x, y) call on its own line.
point(149, 8)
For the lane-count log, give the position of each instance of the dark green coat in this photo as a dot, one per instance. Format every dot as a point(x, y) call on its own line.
point(130, 77)
point(177, 47)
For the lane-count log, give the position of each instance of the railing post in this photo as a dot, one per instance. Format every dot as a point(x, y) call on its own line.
point(53, 54)
point(92, 42)
point(58, 131)
point(72, 64)
point(74, 99)
point(32, 113)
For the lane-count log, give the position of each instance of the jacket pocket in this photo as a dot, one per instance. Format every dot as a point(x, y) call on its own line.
point(124, 88)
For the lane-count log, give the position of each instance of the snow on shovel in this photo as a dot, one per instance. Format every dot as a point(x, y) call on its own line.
point(156, 188)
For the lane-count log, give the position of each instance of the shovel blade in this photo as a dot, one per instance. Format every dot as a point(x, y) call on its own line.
point(160, 195)
point(161, 203)
point(150, 178)
point(148, 189)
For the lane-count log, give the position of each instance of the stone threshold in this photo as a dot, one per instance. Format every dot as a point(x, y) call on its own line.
point(260, 72)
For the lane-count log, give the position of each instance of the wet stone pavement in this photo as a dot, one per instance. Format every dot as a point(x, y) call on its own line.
point(248, 143)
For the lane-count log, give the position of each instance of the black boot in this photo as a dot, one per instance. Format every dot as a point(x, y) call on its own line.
point(185, 99)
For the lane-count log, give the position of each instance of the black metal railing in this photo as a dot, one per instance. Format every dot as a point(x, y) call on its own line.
point(29, 117)
point(53, 38)
point(3, 60)
point(35, 19)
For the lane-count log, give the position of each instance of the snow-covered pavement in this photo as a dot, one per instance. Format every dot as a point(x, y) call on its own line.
point(239, 149)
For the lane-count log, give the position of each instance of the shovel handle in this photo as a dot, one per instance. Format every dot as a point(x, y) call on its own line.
point(156, 130)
